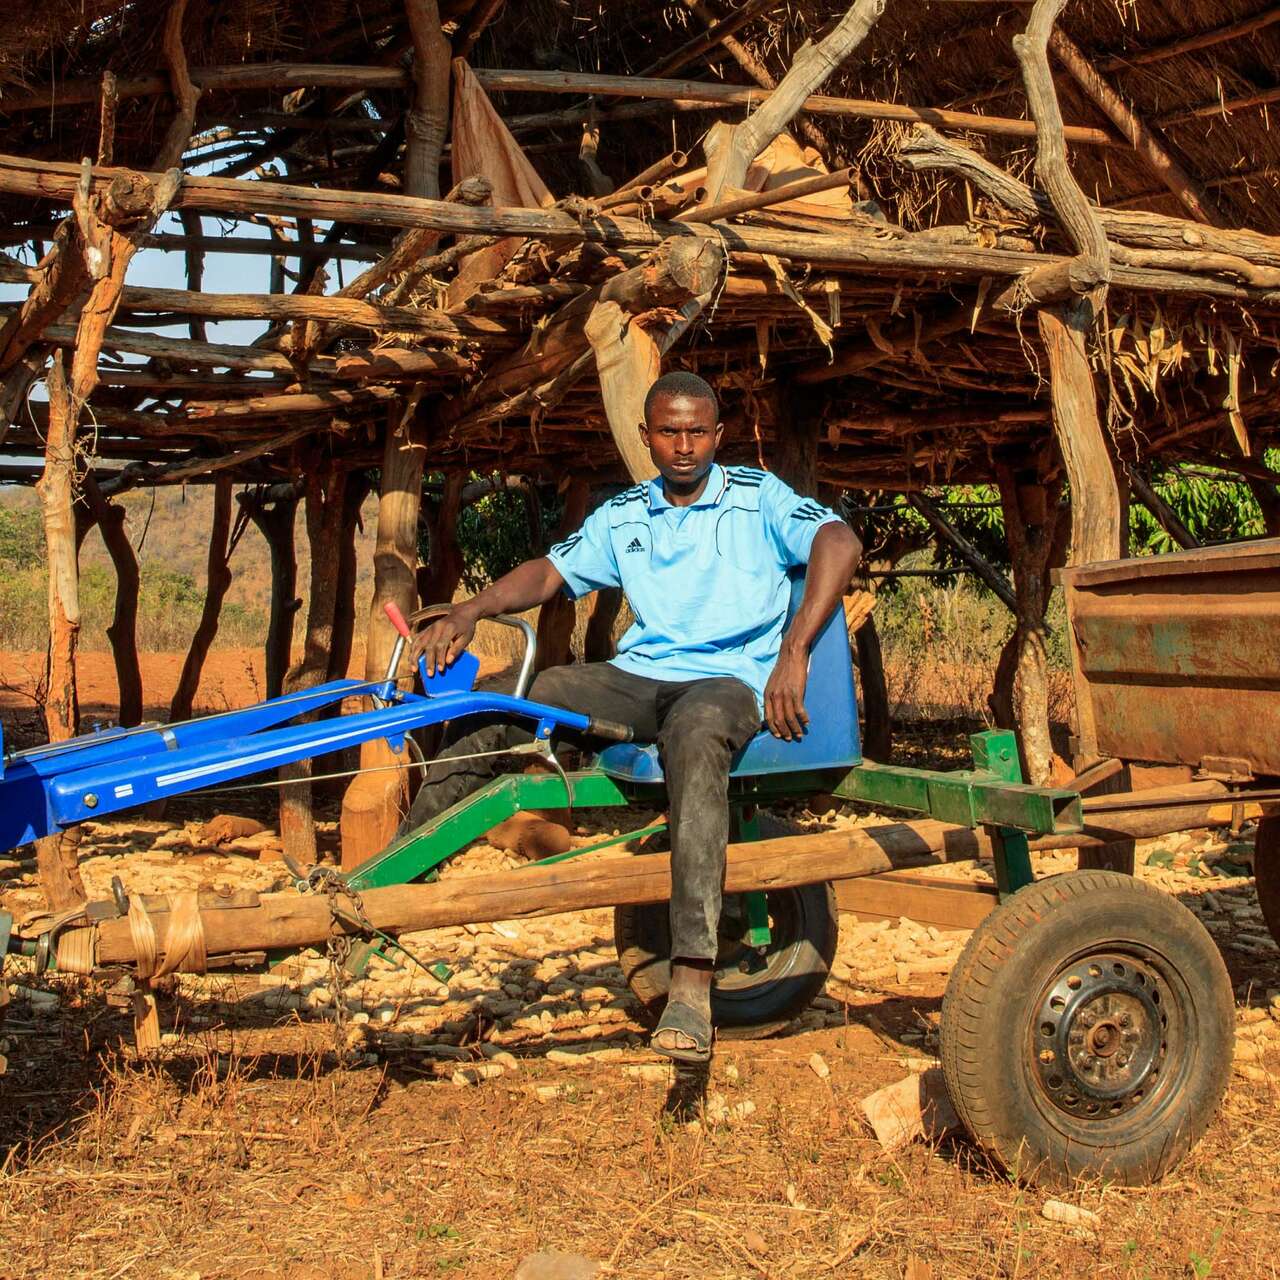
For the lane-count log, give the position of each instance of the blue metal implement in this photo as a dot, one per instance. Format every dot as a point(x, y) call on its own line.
point(48, 788)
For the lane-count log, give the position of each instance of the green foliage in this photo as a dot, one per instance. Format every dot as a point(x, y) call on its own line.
point(169, 603)
point(499, 532)
point(494, 537)
point(1214, 506)
point(21, 537)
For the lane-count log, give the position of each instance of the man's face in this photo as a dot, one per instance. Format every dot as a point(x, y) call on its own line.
point(682, 436)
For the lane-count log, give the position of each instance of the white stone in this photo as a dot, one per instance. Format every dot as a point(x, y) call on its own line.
point(1070, 1215)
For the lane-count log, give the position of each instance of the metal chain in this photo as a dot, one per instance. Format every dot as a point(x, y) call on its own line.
point(338, 948)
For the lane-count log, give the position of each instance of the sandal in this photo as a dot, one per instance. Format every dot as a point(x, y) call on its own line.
point(689, 1022)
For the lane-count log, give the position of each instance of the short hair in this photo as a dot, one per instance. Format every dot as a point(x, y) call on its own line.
point(680, 382)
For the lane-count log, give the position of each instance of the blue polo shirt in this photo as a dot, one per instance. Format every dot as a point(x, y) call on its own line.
point(707, 583)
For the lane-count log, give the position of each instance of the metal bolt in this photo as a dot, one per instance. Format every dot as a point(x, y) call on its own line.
point(1087, 1019)
point(1126, 1020)
point(90, 800)
point(1047, 1055)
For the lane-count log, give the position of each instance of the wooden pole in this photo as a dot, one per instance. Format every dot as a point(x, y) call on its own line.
point(556, 618)
point(731, 148)
point(1191, 44)
point(907, 254)
point(1065, 330)
point(354, 493)
point(438, 579)
point(427, 120)
point(291, 920)
point(1095, 499)
point(56, 855)
point(218, 564)
point(283, 76)
point(1165, 515)
point(375, 802)
point(1031, 518)
point(763, 199)
point(995, 581)
point(683, 92)
point(325, 487)
point(274, 511)
point(123, 631)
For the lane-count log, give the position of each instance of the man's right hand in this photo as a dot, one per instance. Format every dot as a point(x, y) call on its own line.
point(441, 642)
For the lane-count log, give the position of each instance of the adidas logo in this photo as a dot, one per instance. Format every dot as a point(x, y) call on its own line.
point(635, 545)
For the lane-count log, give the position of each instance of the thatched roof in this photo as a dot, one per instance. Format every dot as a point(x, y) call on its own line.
point(1183, 359)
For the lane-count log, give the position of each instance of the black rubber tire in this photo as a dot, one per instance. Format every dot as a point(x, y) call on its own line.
point(997, 1013)
point(1266, 872)
point(805, 923)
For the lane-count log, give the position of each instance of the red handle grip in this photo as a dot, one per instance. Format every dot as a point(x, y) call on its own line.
point(392, 610)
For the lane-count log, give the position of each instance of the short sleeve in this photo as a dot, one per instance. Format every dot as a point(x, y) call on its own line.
point(585, 559)
point(793, 521)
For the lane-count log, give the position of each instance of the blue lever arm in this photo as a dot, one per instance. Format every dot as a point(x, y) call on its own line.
point(121, 744)
point(104, 787)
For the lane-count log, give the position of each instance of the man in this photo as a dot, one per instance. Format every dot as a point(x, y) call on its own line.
point(703, 554)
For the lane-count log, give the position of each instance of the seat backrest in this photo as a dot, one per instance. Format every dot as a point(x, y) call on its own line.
point(832, 741)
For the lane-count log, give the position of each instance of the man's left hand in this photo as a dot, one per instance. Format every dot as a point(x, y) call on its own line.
point(784, 711)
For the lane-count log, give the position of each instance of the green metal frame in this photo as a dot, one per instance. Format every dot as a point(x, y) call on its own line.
point(991, 795)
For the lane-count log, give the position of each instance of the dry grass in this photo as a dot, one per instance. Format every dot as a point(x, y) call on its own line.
point(253, 1152)
point(282, 1165)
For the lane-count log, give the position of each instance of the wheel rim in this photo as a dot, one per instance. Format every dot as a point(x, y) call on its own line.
point(1111, 1041)
point(740, 969)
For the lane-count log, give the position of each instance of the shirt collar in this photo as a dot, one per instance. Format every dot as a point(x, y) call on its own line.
point(717, 483)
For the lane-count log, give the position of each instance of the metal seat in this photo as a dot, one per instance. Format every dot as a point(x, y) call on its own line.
point(832, 741)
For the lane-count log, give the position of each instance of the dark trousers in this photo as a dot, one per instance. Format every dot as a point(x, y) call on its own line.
point(698, 726)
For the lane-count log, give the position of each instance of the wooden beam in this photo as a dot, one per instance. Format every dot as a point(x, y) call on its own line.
point(729, 95)
point(928, 900)
point(1220, 107)
point(996, 582)
point(1151, 149)
point(1191, 44)
point(333, 400)
point(481, 15)
point(1165, 515)
point(302, 75)
point(171, 473)
point(170, 242)
point(431, 324)
point(235, 76)
point(856, 248)
point(753, 200)
point(926, 149)
point(292, 920)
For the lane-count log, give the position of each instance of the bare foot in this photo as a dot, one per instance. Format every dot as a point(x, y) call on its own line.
point(691, 986)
